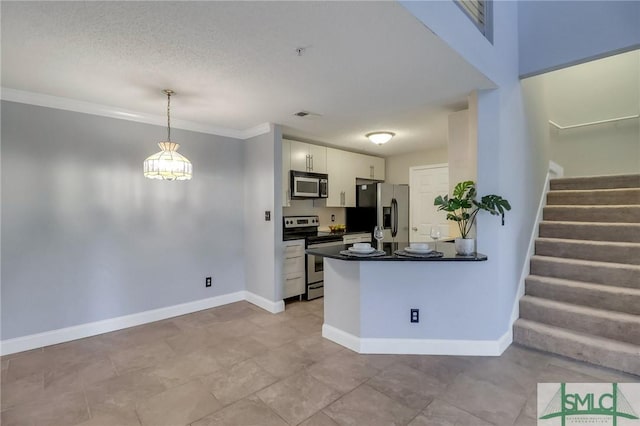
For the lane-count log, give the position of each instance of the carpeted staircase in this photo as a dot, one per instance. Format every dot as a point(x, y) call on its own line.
point(582, 299)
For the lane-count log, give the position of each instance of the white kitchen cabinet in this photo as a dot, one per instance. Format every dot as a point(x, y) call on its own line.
point(342, 178)
point(365, 237)
point(378, 165)
point(369, 167)
point(306, 157)
point(293, 271)
point(286, 166)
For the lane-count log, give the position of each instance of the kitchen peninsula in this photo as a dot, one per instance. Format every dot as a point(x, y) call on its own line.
point(368, 303)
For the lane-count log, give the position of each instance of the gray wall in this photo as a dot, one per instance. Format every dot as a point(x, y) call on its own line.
point(556, 34)
point(261, 237)
point(85, 237)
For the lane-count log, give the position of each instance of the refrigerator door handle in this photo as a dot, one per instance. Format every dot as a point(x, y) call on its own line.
point(394, 217)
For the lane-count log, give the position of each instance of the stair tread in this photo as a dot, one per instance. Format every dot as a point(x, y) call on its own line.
point(591, 242)
point(587, 262)
point(580, 309)
point(585, 338)
point(602, 224)
point(584, 284)
point(590, 206)
point(591, 191)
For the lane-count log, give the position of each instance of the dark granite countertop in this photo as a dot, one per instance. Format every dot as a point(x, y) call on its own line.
point(448, 250)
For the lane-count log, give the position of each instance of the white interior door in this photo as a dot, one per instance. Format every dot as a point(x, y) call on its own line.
point(425, 184)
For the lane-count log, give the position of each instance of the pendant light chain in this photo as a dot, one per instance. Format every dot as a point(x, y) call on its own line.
point(168, 115)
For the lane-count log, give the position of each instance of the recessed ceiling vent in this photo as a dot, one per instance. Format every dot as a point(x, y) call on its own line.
point(306, 114)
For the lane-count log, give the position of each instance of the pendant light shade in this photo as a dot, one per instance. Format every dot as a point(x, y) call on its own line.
point(168, 164)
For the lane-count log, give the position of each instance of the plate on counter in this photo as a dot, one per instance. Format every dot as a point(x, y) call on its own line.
point(418, 251)
point(366, 250)
point(356, 253)
point(427, 254)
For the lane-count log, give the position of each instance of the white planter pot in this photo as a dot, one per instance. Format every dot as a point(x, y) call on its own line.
point(465, 246)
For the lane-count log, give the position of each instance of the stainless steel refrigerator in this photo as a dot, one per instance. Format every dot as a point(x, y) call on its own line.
point(383, 204)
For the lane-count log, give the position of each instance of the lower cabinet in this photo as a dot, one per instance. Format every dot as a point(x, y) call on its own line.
point(293, 268)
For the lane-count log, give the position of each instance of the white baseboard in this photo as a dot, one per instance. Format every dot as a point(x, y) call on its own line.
point(266, 304)
point(341, 337)
point(418, 346)
point(67, 334)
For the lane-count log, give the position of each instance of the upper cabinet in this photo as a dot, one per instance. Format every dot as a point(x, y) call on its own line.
point(342, 179)
point(308, 158)
point(369, 167)
point(343, 168)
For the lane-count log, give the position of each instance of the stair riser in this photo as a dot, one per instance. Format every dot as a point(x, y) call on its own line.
point(623, 330)
point(600, 253)
point(629, 363)
point(584, 296)
point(619, 214)
point(613, 276)
point(578, 231)
point(617, 197)
point(601, 182)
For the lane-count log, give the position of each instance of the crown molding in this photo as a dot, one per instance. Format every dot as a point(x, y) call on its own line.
point(68, 104)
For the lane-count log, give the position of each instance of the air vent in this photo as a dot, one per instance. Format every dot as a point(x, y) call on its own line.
point(306, 114)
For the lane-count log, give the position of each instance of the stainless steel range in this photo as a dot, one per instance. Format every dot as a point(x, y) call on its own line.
point(306, 227)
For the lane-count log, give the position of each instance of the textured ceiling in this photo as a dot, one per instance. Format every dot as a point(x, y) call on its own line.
point(366, 66)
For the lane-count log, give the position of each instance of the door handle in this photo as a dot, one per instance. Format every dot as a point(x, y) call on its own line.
point(371, 171)
point(394, 217)
point(414, 229)
point(311, 158)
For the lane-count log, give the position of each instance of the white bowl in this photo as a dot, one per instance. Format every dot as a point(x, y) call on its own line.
point(419, 246)
point(362, 246)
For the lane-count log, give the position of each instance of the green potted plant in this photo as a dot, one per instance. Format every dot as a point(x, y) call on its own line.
point(463, 208)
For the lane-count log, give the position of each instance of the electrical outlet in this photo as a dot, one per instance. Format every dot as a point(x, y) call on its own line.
point(333, 218)
point(415, 315)
point(207, 282)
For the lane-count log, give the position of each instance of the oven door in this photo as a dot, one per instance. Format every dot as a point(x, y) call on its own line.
point(315, 265)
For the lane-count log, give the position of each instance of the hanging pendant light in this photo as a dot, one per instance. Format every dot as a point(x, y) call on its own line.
point(168, 164)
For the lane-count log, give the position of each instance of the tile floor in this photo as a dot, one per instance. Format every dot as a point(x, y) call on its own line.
point(238, 365)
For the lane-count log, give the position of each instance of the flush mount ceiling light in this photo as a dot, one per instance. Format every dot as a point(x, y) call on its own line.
point(380, 137)
point(168, 164)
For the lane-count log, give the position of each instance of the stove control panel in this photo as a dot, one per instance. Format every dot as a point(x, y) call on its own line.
point(301, 221)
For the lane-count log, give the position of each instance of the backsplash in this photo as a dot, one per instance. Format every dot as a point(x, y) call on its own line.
point(306, 207)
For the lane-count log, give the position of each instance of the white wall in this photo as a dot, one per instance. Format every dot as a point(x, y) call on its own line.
point(397, 166)
point(606, 149)
point(508, 161)
point(85, 237)
point(556, 34)
point(463, 149)
point(262, 156)
point(513, 152)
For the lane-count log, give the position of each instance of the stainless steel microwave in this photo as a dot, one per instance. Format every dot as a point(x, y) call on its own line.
point(309, 185)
